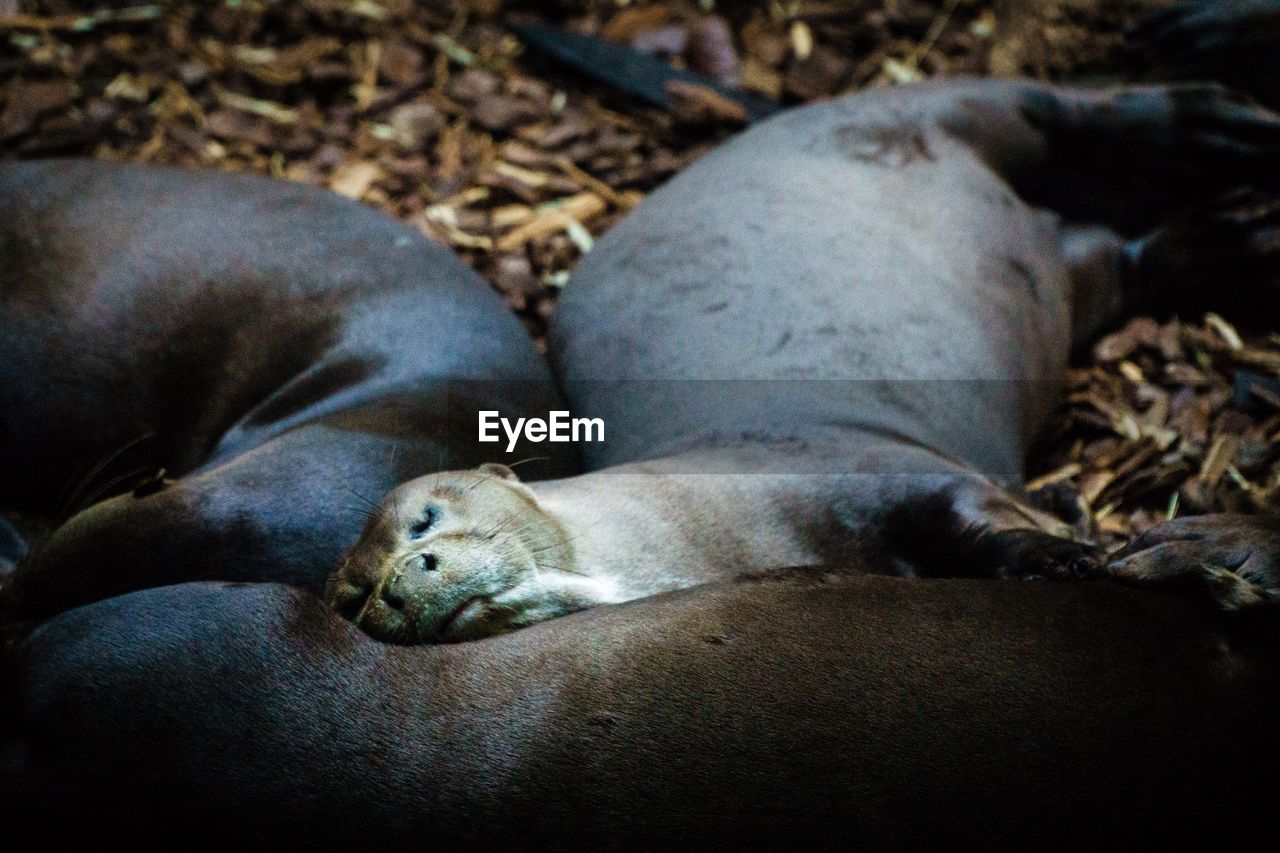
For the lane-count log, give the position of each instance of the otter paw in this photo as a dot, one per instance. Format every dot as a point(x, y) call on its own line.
point(1196, 140)
point(1235, 239)
point(1227, 134)
point(1236, 558)
point(1036, 555)
point(979, 532)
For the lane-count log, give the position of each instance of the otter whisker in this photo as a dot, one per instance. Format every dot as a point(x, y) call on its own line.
point(528, 459)
point(478, 484)
point(533, 524)
point(395, 513)
point(565, 569)
point(70, 507)
point(500, 526)
point(373, 505)
point(112, 483)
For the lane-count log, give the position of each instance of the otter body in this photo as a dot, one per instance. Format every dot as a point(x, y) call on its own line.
point(260, 359)
point(462, 555)
point(838, 333)
point(822, 708)
point(818, 706)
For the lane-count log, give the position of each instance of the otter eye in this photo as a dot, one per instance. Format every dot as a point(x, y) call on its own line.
point(428, 563)
point(420, 527)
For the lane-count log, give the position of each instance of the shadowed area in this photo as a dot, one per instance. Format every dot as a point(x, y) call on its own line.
point(814, 706)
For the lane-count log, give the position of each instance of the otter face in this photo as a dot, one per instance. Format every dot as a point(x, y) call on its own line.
point(448, 557)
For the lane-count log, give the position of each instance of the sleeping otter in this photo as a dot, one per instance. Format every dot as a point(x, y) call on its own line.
point(235, 362)
point(837, 333)
point(461, 555)
point(824, 708)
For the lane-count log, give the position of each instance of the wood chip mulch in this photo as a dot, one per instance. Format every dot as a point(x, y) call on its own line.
point(430, 111)
point(433, 113)
point(1165, 419)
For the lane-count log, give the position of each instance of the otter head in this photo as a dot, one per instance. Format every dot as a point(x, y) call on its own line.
point(451, 556)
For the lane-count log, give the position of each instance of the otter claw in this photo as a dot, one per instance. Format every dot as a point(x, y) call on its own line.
point(1235, 558)
point(1083, 567)
point(1034, 553)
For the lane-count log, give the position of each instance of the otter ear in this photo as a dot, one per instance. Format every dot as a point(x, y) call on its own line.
point(502, 472)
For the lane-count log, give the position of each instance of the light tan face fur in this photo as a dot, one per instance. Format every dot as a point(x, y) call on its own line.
point(453, 556)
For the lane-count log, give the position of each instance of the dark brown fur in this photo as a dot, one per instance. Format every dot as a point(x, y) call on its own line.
point(816, 708)
point(265, 358)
